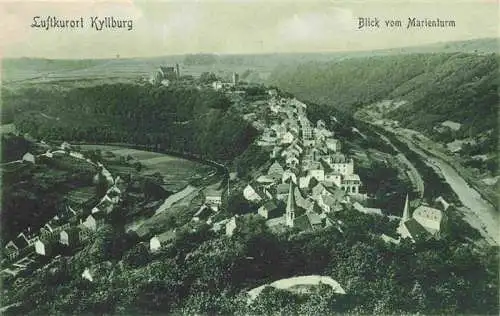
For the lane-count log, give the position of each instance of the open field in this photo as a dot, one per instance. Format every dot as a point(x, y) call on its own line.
point(177, 172)
point(27, 71)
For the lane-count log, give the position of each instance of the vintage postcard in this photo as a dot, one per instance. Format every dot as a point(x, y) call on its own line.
point(249, 157)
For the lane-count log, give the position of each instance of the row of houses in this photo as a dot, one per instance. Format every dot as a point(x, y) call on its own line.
point(69, 228)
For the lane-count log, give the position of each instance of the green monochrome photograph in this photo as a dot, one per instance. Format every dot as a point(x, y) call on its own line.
point(249, 157)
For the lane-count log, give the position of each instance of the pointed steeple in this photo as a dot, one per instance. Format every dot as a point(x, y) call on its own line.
point(406, 211)
point(290, 206)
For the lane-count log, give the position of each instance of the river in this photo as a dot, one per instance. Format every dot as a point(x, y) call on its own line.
point(477, 211)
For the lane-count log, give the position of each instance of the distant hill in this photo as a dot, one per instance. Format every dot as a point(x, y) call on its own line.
point(435, 87)
point(483, 45)
point(22, 70)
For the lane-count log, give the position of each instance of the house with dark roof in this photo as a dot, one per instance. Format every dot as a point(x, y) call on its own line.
point(269, 210)
point(22, 241)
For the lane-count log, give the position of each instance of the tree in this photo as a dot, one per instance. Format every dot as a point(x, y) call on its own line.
point(137, 256)
point(237, 204)
point(138, 166)
point(207, 77)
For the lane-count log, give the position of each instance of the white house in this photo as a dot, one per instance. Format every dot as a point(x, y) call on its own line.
point(335, 178)
point(42, 247)
point(342, 165)
point(332, 144)
point(29, 157)
point(287, 175)
point(287, 138)
point(156, 242)
point(90, 223)
point(251, 194)
point(319, 174)
point(65, 145)
point(351, 183)
point(87, 275)
point(292, 161)
point(217, 85)
point(304, 181)
point(213, 199)
point(443, 203)
point(231, 226)
point(367, 210)
point(264, 179)
point(68, 237)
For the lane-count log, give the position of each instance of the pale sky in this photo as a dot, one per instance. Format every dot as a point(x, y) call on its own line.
point(235, 26)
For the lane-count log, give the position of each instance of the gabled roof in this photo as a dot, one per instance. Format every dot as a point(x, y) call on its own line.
point(275, 168)
point(318, 188)
point(329, 200)
point(302, 222)
point(282, 188)
point(269, 206)
point(11, 245)
point(22, 240)
point(314, 218)
point(416, 230)
point(338, 194)
point(264, 179)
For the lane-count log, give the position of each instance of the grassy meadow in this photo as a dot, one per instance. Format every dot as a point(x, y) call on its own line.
point(177, 172)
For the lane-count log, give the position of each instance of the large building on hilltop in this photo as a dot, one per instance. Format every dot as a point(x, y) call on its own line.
point(165, 74)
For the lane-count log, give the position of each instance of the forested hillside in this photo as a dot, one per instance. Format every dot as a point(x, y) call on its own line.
point(176, 118)
point(436, 87)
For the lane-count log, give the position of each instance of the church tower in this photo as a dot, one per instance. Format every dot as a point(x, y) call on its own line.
point(402, 228)
point(406, 211)
point(290, 207)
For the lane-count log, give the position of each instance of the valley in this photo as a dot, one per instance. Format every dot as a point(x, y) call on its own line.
point(292, 184)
